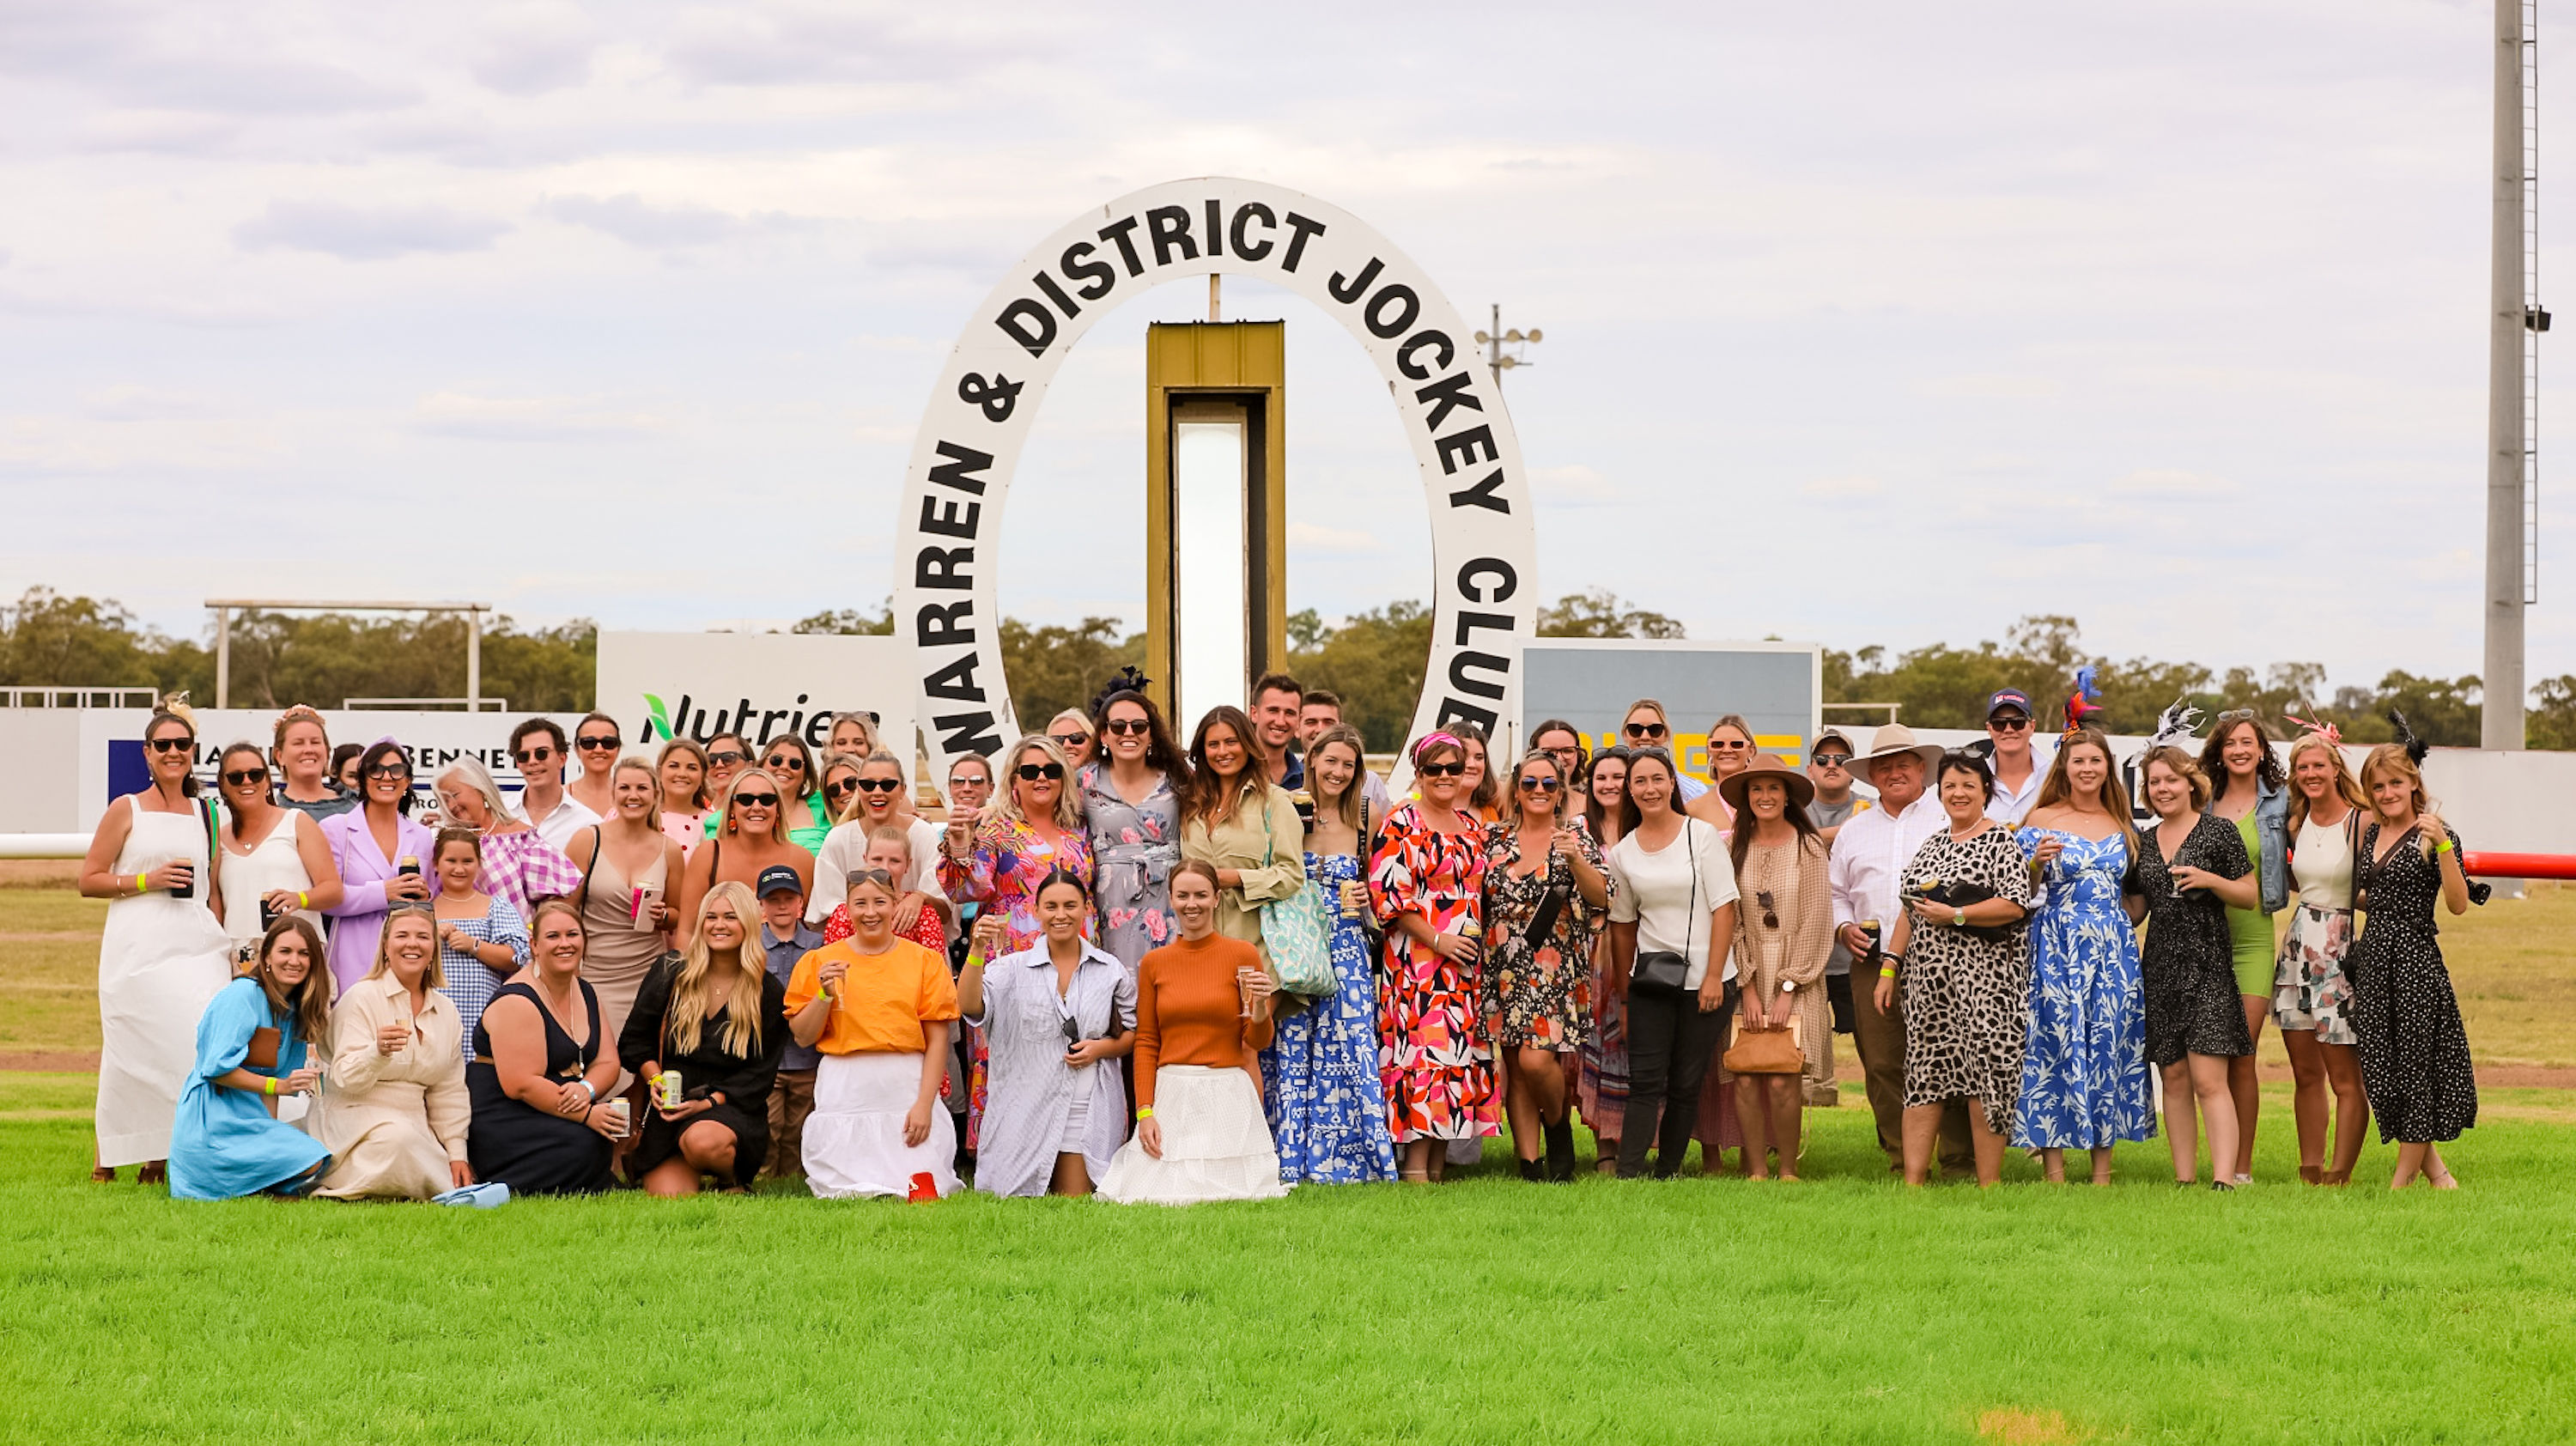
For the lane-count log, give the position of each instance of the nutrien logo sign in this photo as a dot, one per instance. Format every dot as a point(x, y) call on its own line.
point(764, 686)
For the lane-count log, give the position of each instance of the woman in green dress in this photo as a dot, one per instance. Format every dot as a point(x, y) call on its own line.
point(2253, 795)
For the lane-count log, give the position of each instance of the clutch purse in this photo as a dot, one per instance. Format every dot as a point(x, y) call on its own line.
point(1763, 1049)
point(264, 1042)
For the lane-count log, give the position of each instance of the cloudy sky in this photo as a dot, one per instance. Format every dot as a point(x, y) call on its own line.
point(1886, 323)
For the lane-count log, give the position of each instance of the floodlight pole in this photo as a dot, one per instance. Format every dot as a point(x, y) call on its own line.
point(2508, 565)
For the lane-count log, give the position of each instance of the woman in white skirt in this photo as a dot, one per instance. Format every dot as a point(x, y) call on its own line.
point(164, 955)
point(1202, 1011)
point(879, 1008)
point(1054, 1015)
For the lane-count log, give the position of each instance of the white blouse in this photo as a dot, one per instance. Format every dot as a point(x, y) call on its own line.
point(2321, 865)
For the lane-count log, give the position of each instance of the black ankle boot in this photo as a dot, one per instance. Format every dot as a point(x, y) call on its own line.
point(1560, 1151)
point(1530, 1171)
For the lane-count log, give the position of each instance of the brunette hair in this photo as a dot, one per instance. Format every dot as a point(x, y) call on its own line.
point(1200, 867)
point(1056, 876)
point(1740, 845)
point(1629, 814)
point(1277, 683)
point(810, 775)
point(2213, 754)
point(384, 748)
point(554, 904)
point(456, 834)
point(1346, 807)
point(1959, 760)
point(1564, 785)
point(1199, 799)
point(1162, 751)
point(547, 726)
point(176, 710)
point(1582, 745)
point(2112, 797)
point(1489, 789)
point(308, 1004)
point(689, 746)
point(1602, 820)
point(2185, 767)
point(238, 821)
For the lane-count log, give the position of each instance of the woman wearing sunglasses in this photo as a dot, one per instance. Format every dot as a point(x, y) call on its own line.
point(1426, 886)
point(1053, 1015)
point(1545, 883)
point(1730, 752)
point(1602, 1088)
point(727, 755)
point(2252, 794)
point(162, 957)
point(1072, 732)
point(1132, 801)
point(800, 782)
point(595, 741)
point(1646, 725)
point(753, 837)
point(275, 860)
point(871, 797)
point(382, 855)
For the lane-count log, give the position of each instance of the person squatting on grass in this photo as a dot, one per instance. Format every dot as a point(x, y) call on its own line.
point(2005, 972)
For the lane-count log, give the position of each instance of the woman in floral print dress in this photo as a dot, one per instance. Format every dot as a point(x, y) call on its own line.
point(1542, 987)
point(1131, 801)
point(1425, 882)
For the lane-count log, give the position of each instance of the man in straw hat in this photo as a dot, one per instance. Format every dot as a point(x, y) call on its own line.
point(1870, 855)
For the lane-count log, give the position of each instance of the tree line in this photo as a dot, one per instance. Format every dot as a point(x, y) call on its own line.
point(1373, 659)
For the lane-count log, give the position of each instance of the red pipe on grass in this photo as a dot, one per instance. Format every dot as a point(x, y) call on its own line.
point(2519, 866)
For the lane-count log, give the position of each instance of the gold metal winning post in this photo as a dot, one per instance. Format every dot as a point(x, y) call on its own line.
point(1216, 512)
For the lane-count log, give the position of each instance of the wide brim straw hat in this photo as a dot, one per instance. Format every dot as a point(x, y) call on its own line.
point(1802, 789)
point(1894, 740)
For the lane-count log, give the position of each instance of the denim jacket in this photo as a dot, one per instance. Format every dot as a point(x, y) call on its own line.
point(2272, 828)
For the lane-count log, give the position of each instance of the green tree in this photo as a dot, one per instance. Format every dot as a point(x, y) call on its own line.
point(2551, 722)
point(1600, 613)
point(878, 624)
point(1053, 668)
point(1375, 661)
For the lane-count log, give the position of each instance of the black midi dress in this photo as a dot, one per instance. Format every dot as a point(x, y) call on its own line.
point(706, 1071)
point(2414, 1049)
point(523, 1147)
point(2188, 963)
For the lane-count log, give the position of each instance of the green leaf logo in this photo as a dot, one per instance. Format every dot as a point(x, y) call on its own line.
point(658, 717)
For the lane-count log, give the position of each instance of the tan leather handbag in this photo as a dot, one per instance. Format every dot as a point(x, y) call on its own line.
point(1764, 1049)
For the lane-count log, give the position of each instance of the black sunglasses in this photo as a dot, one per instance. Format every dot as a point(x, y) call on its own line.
point(1833, 760)
point(724, 759)
point(788, 761)
point(839, 787)
point(1032, 772)
point(1442, 770)
point(1770, 911)
point(239, 777)
point(756, 800)
point(886, 785)
point(390, 770)
point(1128, 725)
point(172, 745)
point(2008, 725)
point(596, 741)
point(1070, 741)
point(1647, 730)
point(1533, 783)
point(533, 755)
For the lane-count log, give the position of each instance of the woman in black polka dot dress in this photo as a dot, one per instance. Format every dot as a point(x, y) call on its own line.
point(2414, 1050)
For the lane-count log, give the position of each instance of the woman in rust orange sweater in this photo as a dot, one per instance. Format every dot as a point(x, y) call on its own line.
point(1202, 1009)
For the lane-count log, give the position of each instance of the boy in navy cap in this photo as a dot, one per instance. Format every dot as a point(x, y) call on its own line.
point(784, 938)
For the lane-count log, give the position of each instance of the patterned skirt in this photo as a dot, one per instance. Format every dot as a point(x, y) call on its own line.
point(2309, 987)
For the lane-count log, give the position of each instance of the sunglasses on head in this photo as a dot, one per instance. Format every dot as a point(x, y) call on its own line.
point(725, 758)
point(1032, 772)
point(2237, 715)
point(1537, 783)
point(877, 785)
point(241, 777)
point(596, 742)
point(879, 877)
point(1647, 730)
point(172, 745)
point(1442, 770)
point(389, 770)
point(527, 756)
point(1128, 725)
point(756, 800)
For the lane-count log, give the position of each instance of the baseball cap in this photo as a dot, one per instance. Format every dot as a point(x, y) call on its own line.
point(2003, 698)
point(779, 879)
point(1830, 735)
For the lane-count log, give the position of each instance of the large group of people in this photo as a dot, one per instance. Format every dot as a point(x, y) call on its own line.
point(1099, 961)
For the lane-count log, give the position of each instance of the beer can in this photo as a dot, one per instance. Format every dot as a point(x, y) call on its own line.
point(667, 1088)
point(407, 864)
point(1469, 928)
point(1870, 927)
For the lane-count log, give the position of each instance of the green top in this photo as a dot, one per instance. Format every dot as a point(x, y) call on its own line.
point(808, 837)
point(2251, 929)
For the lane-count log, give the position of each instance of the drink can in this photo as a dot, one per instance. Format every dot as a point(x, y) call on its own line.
point(617, 1114)
point(1469, 928)
point(666, 1087)
point(1870, 927)
point(407, 864)
point(181, 891)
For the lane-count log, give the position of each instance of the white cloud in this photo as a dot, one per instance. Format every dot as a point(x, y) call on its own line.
point(631, 219)
point(365, 233)
point(522, 419)
point(1841, 487)
point(1574, 486)
point(1307, 537)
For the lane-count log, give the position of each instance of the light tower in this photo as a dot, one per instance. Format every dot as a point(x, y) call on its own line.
point(2513, 352)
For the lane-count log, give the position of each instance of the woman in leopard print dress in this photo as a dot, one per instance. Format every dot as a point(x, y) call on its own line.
point(1966, 969)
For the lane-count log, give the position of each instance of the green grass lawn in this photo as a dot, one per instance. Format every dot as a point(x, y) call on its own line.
point(1485, 1310)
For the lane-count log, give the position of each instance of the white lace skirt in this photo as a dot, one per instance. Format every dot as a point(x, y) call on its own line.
point(854, 1138)
point(1216, 1145)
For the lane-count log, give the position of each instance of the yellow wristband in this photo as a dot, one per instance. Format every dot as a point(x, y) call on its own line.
point(142, 883)
point(268, 1087)
point(1886, 971)
point(1146, 1113)
point(303, 900)
point(2443, 847)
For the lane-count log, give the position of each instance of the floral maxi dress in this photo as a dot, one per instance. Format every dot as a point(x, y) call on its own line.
point(1134, 847)
point(1319, 1075)
point(1434, 1061)
point(2084, 1081)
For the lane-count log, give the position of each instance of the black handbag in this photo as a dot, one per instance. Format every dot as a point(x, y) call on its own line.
point(1661, 972)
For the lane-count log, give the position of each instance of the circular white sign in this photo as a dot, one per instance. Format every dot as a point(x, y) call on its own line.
point(1484, 547)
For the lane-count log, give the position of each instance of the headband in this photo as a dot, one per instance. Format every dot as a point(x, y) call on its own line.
point(1443, 738)
point(2327, 731)
point(2081, 704)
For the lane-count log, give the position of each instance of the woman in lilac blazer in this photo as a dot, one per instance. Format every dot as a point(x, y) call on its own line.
point(369, 844)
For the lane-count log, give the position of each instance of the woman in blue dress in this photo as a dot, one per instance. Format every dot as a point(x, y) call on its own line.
point(1319, 1077)
point(227, 1140)
point(2084, 1082)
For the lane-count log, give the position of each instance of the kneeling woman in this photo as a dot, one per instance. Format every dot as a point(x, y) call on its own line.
point(395, 1113)
point(542, 1070)
point(251, 1045)
point(714, 1016)
point(879, 1008)
point(1052, 1015)
point(1202, 1009)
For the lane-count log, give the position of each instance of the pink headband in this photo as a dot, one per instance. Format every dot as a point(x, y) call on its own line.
point(2327, 731)
point(1437, 740)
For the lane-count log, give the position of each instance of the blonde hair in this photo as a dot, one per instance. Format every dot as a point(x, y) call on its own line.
point(692, 1000)
point(2345, 786)
point(636, 763)
point(855, 808)
point(1564, 788)
point(778, 814)
point(436, 975)
point(1068, 806)
point(893, 833)
point(2393, 758)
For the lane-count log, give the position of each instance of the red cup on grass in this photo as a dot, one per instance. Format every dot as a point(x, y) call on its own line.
point(923, 1187)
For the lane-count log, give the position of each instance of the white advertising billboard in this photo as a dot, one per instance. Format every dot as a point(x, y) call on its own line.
point(761, 685)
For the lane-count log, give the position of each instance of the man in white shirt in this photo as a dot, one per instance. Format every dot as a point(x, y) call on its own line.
point(538, 747)
point(2019, 770)
point(1867, 866)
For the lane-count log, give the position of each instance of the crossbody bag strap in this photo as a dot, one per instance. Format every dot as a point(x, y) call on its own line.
point(598, 843)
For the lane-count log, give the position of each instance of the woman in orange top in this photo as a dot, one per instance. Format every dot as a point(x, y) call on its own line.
point(1202, 1009)
point(879, 1008)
